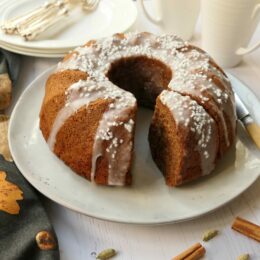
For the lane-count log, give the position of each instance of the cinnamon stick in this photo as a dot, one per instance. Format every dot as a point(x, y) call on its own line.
point(194, 252)
point(247, 228)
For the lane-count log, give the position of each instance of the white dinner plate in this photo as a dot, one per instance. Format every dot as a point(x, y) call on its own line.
point(148, 200)
point(33, 52)
point(111, 16)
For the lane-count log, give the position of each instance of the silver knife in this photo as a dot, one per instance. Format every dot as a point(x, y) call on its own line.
point(244, 116)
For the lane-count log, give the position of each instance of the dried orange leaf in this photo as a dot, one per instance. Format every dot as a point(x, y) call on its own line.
point(9, 194)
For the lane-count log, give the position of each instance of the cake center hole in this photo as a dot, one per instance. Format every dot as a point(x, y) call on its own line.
point(144, 77)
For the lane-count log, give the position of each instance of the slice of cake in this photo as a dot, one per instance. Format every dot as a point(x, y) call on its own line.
point(183, 138)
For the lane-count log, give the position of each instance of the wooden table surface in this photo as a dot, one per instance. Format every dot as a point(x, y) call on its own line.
point(80, 235)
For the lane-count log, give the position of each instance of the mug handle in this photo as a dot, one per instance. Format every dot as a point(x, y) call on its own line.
point(243, 51)
point(155, 20)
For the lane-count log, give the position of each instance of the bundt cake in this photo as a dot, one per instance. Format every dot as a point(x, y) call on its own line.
point(90, 104)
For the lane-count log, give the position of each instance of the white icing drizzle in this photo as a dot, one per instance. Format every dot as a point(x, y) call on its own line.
point(201, 87)
point(171, 50)
point(191, 115)
point(187, 81)
point(189, 67)
point(83, 93)
point(96, 59)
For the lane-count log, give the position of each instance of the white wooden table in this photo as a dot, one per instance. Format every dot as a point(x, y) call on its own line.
point(80, 235)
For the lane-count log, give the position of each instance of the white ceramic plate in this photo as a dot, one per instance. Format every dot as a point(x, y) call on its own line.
point(148, 200)
point(111, 16)
point(34, 50)
point(31, 52)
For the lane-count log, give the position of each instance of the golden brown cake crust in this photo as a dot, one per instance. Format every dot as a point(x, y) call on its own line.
point(54, 98)
point(165, 139)
point(77, 135)
point(174, 146)
point(91, 141)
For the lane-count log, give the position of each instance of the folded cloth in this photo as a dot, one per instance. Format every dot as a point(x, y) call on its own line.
point(10, 63)
point(9, 71)
point(25, 229)
point(26, 232)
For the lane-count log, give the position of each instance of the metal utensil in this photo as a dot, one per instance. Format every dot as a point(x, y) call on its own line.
point(89, 5)
point(51, 16)
point(33, 23)
point(244, 116)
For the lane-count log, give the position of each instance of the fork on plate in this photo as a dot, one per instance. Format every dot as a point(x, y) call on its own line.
point(37, 21)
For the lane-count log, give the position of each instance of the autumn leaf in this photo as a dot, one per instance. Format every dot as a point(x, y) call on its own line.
point(9, 194)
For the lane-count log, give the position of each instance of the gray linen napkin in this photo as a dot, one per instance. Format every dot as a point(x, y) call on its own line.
point(25, 229)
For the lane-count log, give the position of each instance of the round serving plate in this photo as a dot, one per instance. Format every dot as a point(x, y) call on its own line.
point(148, 200)
point(34, 53)
point(111, 16)
point(34, 50)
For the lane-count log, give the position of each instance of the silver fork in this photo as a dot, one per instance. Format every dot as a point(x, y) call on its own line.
point(30, 25)
point(33, 28)
point(89, 5)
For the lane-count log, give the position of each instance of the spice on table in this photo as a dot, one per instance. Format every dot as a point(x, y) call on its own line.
point(106, 254)
point(243, 257)
point(247, 228)
point(209, 234)
point(194, 252)
point(45, 240)
point(4, 147)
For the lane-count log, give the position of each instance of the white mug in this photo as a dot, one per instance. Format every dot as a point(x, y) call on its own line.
point(227, 27)
point(174, 16)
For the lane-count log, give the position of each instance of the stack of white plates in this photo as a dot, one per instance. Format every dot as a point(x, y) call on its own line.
point(110, 17)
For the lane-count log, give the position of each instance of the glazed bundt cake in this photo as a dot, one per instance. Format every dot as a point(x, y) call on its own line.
point(90, 104)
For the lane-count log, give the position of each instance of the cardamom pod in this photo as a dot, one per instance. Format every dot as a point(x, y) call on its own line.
point(106, 254)
point(209, 234)
point(243, 257)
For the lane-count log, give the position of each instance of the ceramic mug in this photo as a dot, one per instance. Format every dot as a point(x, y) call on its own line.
point(174, 16)
point(227, 27)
